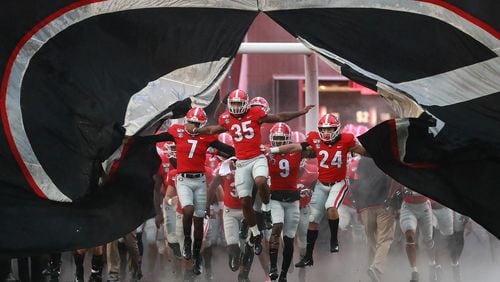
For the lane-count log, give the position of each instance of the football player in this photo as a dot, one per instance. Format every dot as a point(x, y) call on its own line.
point(244, 124)
point(331, 149)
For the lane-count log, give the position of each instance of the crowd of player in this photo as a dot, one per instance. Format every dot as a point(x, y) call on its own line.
point(221, 185)
point(286, 187)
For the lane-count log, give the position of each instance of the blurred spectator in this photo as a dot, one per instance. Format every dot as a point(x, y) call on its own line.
point(369, 194)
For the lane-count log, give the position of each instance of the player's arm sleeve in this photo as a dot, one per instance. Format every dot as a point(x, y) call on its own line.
point(224, 150)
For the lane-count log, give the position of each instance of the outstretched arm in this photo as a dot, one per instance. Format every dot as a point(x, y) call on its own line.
point(208, 130)
point(359, 149)
point(285, 149)
point(281, 117)
point(224, 150)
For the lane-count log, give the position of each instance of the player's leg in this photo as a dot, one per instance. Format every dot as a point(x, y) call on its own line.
point(335, 197)
point(97, 264)
point(291, 222)
point(302, 229)
point(244, 185)
point(457, 244)
point(317, 205)
point(200, 203)
point(278, 217)
point(408, 223)
point(186, 201)
point(231, 219)
point(79, 257)
point(260, 172)
point(442, 238)
point(425, 223)
point(170, 223)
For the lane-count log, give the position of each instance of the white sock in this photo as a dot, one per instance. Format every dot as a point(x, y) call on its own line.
point(414, 269)
point(265, 207)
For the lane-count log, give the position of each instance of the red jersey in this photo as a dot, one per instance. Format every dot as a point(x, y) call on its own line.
point(245, 132)
point(172, 181)
point(332, 158)
point(191, 150)
point(212, 161)
point(284, 170)
point(231, 199)
point(307, 181)
point(165, 164)
point(352, 168)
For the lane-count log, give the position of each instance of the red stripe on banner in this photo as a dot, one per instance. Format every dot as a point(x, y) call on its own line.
point(340, 195)
point(465, 15)
point(3, 89)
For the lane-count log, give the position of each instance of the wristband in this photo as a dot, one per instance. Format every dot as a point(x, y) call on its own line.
point(274, 150)
point(169, 201)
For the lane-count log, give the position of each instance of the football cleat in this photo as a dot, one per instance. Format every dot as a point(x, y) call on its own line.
point(197, 265)
point(305, 261)
point(234, 262)
point(176, 250)
point(256, 243)
point(334, 246)
point(273, 273)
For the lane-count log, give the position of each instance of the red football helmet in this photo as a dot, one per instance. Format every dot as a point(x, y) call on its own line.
point(197, 116)
point(328, 127)
point(355, 130)
point(226, 139)
point(237, 102)
point(259, 101)
point(280, 134)
point(170, 149)
point(298, 137)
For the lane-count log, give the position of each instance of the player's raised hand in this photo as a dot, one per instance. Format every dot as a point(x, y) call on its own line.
point(306, 109)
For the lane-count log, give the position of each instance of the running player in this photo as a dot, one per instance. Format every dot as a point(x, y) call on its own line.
point(283, 172)
point(191, 180)
point(244, 123)
point(331, 149)
point(416, 210)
